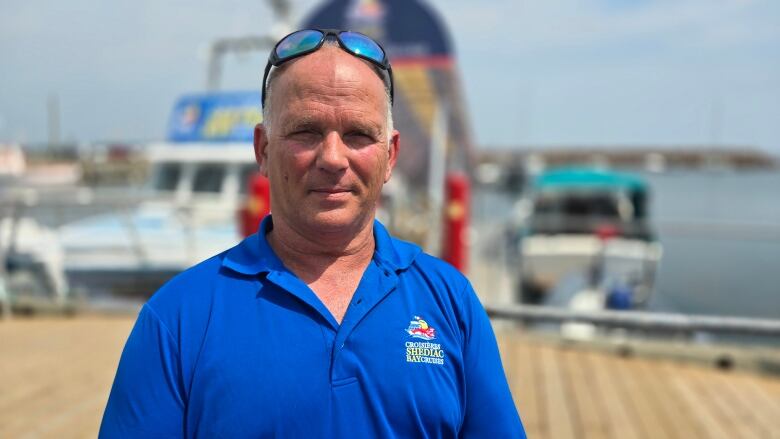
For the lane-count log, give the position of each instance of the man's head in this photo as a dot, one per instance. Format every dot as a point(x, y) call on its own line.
point(327, 144)
point(268, 110)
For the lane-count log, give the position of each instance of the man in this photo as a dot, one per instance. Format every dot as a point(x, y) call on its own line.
point(320, 325)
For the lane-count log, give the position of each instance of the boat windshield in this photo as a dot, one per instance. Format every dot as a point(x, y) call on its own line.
point(166, 177)
point(208, 178)
point(585, 212)
point(578, 205)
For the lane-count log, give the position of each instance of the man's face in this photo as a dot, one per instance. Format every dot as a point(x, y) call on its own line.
point(326, 150)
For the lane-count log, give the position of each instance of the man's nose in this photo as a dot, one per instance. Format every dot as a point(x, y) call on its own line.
point(333, 154)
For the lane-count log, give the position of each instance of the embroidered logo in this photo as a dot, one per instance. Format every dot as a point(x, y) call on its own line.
point(418, 328)
point(423, 352)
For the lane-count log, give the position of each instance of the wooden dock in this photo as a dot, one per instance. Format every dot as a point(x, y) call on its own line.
point(565, 392)
point(55, 374)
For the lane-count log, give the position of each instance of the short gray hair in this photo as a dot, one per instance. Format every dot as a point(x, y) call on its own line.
point(276, 71)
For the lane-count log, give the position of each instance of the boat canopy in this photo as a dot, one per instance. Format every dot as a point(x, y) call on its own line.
point(590, 179)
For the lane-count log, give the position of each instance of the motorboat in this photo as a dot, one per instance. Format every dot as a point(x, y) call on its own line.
point(197, 181)
point(591, 223)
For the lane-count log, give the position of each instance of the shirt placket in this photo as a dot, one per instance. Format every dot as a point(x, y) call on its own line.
point(376, 284)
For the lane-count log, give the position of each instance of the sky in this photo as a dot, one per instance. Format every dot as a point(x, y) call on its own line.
point(536, 73)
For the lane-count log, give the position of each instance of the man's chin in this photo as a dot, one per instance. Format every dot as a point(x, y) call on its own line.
point(336, 220)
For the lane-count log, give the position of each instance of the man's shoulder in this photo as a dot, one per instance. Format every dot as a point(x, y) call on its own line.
point(197, 286)
point(432, 264)
point(443, 279)
point(406, 256)
point(409, 259)
point(190, 286)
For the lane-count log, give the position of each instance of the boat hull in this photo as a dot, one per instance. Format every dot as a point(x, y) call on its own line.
point(547, 259)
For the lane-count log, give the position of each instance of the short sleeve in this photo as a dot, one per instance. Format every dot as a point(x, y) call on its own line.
point(489, 409)
point(147, 398)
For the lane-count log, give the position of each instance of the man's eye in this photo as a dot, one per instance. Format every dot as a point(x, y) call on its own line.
point(359, 137)
point(305, 133)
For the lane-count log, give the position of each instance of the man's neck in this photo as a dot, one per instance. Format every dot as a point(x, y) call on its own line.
point(310, 255)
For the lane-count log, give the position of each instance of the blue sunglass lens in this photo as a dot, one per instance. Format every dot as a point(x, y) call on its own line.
point(297, 43)
point(362, 45)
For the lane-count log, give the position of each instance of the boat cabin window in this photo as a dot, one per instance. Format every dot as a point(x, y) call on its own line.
point(598, 205)
point(167, 177)
point(585, 212)
point(577, 205)
point(209, 178)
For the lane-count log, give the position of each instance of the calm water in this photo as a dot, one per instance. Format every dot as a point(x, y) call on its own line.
point(721, 237)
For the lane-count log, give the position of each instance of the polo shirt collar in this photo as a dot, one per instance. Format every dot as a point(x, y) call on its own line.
point(395, 254)
point(254, 255)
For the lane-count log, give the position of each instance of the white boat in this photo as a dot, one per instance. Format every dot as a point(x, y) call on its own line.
point(189, 212)
point(589, 223)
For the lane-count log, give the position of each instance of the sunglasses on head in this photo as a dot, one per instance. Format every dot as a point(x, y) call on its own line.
point(306, 41)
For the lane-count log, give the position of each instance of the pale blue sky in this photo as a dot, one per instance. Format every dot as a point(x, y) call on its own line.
point(536, 73)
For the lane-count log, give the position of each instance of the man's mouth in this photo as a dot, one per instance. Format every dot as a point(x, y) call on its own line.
point(331, 190)
point(331, 193)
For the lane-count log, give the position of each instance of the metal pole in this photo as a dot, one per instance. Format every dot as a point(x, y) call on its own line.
point(53, 107)
point(215, 67)
point(281, 19)
point(5, 295)
point(232, 45)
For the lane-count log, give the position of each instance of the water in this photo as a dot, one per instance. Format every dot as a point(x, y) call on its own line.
point(721, 238)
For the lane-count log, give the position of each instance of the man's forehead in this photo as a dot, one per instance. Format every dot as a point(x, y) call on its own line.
point(329, 69)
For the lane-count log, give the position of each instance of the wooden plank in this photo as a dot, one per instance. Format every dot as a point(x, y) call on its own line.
point(519, 367)
point(755, 403)
point(61, 372)
point(77, 421)
point(662, 397)
point(652, 417)
point(560, 420)
point(766, 394)
point(741, 402)
point(684, 424)
point(535, 418)
point(621, 423)
point(539, 426)
point(569, 390)
point(697, 403)
point(626, 393)
point(719, 399)
point(541, 397)
point(585, 395)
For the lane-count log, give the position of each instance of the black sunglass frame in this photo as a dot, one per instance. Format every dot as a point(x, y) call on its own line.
point(274, 60)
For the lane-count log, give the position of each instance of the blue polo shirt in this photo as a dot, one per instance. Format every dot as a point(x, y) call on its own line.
point(239, 347)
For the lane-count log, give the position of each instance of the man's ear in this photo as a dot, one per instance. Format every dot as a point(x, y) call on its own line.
point(392, 150)
point(261, 145)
